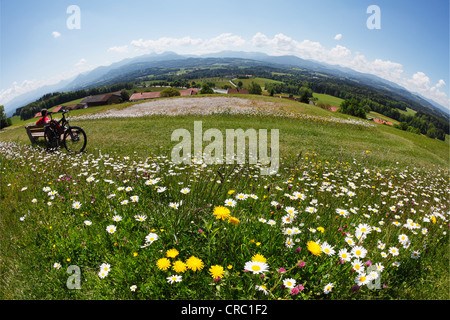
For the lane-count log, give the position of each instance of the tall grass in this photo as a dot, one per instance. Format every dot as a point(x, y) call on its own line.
point(58, 209)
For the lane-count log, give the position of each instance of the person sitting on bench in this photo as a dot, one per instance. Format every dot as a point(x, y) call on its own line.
point(44, 118)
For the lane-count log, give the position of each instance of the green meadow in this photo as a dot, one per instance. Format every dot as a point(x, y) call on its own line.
point(356, 210)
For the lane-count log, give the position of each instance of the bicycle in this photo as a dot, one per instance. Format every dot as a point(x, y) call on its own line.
point(73, 138)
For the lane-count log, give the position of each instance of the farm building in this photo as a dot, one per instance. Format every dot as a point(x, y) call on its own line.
point(144, 96)
point(189, 92)
point(102, 99)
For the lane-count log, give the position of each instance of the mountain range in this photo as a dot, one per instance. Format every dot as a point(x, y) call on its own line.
point(108, 74)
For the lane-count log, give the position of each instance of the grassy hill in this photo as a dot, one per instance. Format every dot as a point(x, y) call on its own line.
point(127, 216)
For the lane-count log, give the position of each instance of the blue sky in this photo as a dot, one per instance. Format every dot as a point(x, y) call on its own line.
point(411, 48)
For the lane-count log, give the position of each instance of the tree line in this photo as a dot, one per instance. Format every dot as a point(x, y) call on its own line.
point(53, 99)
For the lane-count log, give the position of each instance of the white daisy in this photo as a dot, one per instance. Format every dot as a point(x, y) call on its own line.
point(256, 267)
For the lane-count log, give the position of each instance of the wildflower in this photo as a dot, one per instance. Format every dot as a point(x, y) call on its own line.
point(358, 252)
point(321, 229)
point(262, 288)
point(310, 210)
point(350, 241)
point(357, 265)
point(117, 218)
point(256, 267)
point(102, 274)
point(56, 265)
point(173, 205)
point(124, 202)
point(291, 210)
point(150, 182)
point(363, 228)
point(87, 223)
point(161, 189)
point(286, 219)
point(76, 205)
point(403, 238)
point(271, 222)
point(185, 190)
point(151, 237)
point(105, 267)
point(289, 283)
point(415, 254)
point(179, 266)
point(140, 217)
point(289, 242)
point(34, 200)
point(216, 271)
point(393, 251)
point(230, 202)
point(327, 249)
point(172, 253)
point(380, 267)
point(314, 248)
point(296, 290)
point(90, 179)
point(221, 212)
point(344, 255)
point(163, 264)
point(174, 278)
point(328, 287)
point(241, 196)
point(301, 264)
point(128, 189)
point(259, 257)
point(342, 212)
point(231, 192)
point(111, 229)
point(362, 279)
point(233, 220)
point(133, 287)
point(194, 263)
point(134, 198)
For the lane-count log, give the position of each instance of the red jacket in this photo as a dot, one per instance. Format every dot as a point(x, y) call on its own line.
point(43, 120)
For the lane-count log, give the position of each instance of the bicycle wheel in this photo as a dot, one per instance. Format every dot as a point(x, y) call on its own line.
point(51, 139)
point(75, 139)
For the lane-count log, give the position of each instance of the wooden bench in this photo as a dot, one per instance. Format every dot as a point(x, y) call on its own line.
point(35, 132)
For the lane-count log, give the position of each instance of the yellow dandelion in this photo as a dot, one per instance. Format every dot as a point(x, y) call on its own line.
point(163, 264)
point(216, 271)
point(233, 220)
point(221, 212)
point(259, 257)
point(321, 229)
point(194, 263)
point(179, 266)
point(172, 253)
point(314, 248)
point(231, 192)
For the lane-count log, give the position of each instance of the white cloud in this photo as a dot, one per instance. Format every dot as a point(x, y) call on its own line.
point(119, 49)
point(440, 83)
point(80, 62)
point(56, 34)
point(189, 45)
point(281, 44)
point(338, 36)
point(163, 44)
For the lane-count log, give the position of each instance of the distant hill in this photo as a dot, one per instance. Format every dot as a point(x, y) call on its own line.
point(132, 69)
